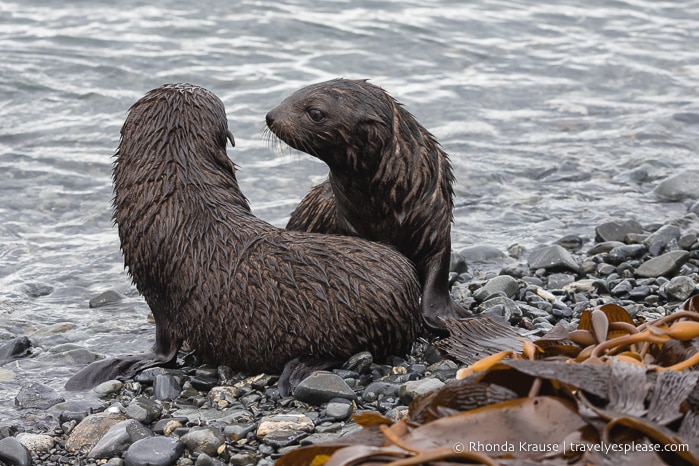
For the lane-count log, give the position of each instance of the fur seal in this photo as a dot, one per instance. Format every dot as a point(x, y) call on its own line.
point(238, 290)
point(390, 181)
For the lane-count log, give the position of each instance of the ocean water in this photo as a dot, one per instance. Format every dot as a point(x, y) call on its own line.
point(557, 116)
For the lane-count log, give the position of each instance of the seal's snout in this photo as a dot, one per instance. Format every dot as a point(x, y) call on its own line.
point(270, 118)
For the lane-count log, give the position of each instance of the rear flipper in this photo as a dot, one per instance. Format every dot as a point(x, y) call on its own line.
point(301, 367)
point(124, 367)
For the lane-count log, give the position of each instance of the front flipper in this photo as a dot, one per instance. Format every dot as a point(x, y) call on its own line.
point(124, 367)
point(301, 367)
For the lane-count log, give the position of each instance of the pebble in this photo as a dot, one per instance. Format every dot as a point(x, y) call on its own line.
point(14, 453)
point(105, 299)
point(206, 440)
point(37, 395)
point(663, 265)
point(552, 258)
point(679, 288)
point(143, 410)
point(360, 362)
point(36, 442)
point(339, 409)
point(119, 438)
point(411, 390)
point(90, 430)
point(284, 423)
point(16, 348)
point(108, 388)
point(616, 230)
point(504, 284)
point(166, 387)
point(481, 254)
point(154, 451)
point(322, 387)
point(679, 187)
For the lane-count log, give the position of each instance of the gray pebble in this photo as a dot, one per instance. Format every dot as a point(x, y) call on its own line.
point(552, 258)
point(37, 395)
point(105, 299)
point(203, 440)
point(500, 284)
point(36, 442)
point(481, 254)
point(107, 388)
point(663, 265)
point(166, 387)
point(411, 390)
point(339, 409)
point(679, 288)
point(118, 439)
point(14, 453)
point(154, 451)
point(679, 187)
point(322, 387)
point(617, 230)
point(144, 410)
point(360, 362)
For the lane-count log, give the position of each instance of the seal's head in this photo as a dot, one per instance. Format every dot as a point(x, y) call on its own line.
point(345, 123)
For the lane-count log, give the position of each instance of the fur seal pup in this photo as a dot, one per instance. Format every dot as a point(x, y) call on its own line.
point(390, 181)
point(240, 291)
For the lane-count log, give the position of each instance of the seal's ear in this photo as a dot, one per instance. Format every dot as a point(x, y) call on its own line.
point(230, 137)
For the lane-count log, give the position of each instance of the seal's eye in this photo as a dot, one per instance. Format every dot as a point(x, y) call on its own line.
point(315, 115)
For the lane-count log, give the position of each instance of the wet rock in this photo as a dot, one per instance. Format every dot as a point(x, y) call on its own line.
point(322, 387)
point(238, 431)
point(626, 252)
point(105, 299)
point(86, 434)
point(376, 390)
point(14, 349)
point(622, 289)
point(679, 187)
point(616, 230)
point(552, 258)
point(206, 440)
point(557, 281)
point(154, 451)
point(501, 284)
point(166, 387)
point(281, 424)
point(108, 388)
point(223, 397)
point(663, 265)
point(679, 288)
point(36, 442)
point(457, 263)
point(360, 362)
point(661, 238)
point(119, 438)
point(243, 459)
point(143, 409)
point(14, 453)
point(603, 247)
point(37, 395)
point(339, 409)
point(481, 254)
point(411, 390)
point(571, 242)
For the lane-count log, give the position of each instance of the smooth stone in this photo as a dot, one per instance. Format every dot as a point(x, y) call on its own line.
point(409, 391)
point(36, 442)
point(238, 431)
point(90, 430)
point(360, 362)
point(204, 460)
point(626, 252)
point(279, 424)
point(339, 409)
point(14, 349)
point(107, 388)
point(166, 387)
point(605, 269)
point(571, 242)
point(105, 299)
point(322, 387)
point(37, 290)
point(481, 254)
point(204, 440)
point(679, 187)
point(14, 453)
point(244, 458)
point(376, 390)
point(557, 281)
point(663, 265)
point(286, 439)
point(37, 395)
point(154, 451)
point(616, 230)
point(500, 306)
point(687, 240)
point(502, 283)
point(119, 438)
point(603, 247)
point(203, 383)
point(457, 263)
point(679, 288)
point(622, 289)
point(552, 258)
point(143, 409)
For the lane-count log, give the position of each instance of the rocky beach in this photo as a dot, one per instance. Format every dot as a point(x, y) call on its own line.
point(201, 415)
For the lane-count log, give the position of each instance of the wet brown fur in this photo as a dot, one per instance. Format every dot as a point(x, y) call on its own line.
point(242, 292)
point(390, 181)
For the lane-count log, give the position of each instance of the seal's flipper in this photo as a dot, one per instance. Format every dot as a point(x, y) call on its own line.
point(301, 367)
point(123, 367)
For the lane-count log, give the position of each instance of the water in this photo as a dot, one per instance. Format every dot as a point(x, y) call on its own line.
point(557, 116)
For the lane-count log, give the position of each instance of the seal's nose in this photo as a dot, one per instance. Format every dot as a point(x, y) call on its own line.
point(270, 118)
